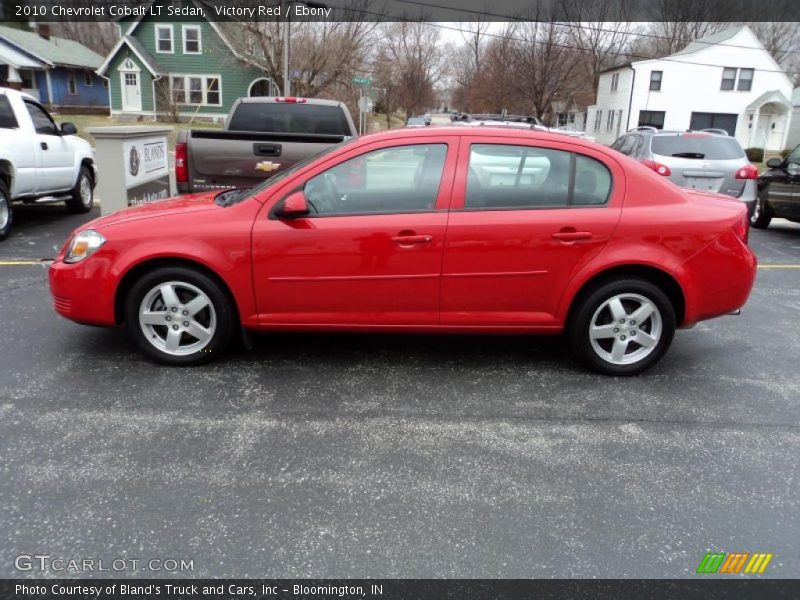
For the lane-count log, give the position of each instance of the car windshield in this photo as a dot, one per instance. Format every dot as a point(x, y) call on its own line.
point(231, 197)
point(699, 146)
point(274, 117)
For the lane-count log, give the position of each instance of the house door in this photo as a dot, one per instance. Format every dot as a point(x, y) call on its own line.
point(131, 91)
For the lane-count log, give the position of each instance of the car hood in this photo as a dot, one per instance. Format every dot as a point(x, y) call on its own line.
point(170, 206)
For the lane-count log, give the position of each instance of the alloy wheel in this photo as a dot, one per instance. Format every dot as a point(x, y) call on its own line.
point(4, 211)
point(86, 191)
point(625, 329)
point(177, 318)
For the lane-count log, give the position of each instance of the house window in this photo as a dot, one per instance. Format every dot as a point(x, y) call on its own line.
point(28, 80)
point(164, 39)
point(198, 90)
point(72, 83)
point(192, 43)
point(728, 78)
point(598, 118)
point(745, 80)
point(87, 79)
point(614, 82)
point(655, 80)
point(105, 83)
point(610, 121)
point(651, 118)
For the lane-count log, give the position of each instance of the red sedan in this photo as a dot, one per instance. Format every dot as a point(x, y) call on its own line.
point(433, 230)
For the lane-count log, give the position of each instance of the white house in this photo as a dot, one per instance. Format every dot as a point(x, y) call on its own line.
point(726, 81)
point(794, 129)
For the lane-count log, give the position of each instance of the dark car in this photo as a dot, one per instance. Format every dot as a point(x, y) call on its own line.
point(707, 160)
point(778, 191)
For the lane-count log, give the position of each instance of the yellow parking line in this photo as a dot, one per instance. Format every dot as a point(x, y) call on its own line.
point(779, 266)
point(19, 263)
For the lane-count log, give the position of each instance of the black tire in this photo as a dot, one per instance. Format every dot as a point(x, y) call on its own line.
point(6, 211)
point(79, 203)
point(220, 315)
point(592, 306)
point(761, 215)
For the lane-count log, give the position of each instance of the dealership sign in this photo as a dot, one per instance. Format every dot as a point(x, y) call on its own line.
point(146, 163)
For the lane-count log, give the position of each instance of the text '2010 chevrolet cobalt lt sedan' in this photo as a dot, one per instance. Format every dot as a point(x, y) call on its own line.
point(429, 230)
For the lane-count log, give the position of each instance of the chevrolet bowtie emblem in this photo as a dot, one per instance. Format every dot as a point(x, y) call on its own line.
point(267, 166)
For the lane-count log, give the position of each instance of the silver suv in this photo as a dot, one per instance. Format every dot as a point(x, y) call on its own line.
point(708, 160)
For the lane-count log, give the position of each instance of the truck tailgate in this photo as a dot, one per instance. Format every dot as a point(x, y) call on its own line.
point(226, 159)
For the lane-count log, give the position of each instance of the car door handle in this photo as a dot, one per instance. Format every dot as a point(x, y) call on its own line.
point(572, 236)
point(43, 145)
point(404, 240)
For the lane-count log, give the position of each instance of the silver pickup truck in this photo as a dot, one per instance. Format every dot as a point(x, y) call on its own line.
point(262, 137)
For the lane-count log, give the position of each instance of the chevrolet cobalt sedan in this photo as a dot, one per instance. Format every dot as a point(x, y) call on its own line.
point(435, 230)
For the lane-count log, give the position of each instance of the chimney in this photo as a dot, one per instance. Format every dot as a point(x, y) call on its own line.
point(43, 29)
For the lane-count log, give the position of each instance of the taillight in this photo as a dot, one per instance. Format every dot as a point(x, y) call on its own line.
point(181, 165)
point(747, 172)
point(291, 100)
point(742, 228)
point(657, 167)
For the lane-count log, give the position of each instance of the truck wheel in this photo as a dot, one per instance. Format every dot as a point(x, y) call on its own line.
point(622, 327)
point(179, 316)
point(82, 194)
point(6, 211)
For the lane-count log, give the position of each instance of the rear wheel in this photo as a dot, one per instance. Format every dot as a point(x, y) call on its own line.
point(622, 327)
point(762, 214)
point(82, 194)
point(179, 316)
point(6, 211)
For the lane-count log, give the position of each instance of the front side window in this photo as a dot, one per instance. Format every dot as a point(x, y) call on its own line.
point(402, 179)
point(793, 160)
point(524, 177)
point(728, 78)
point(655, 80)
point(41, 120)
point(164, 39)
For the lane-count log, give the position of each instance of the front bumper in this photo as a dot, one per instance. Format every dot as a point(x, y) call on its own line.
point(83, 292)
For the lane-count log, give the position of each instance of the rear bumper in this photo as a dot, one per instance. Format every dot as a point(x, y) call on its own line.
point(720, 279)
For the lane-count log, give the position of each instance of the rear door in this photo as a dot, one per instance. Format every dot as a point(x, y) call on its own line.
point(370, 254)
point(525, 217)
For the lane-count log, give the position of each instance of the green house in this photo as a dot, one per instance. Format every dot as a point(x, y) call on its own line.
point(166, 67)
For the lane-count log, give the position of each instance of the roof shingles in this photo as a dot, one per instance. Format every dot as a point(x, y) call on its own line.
point(56, 51)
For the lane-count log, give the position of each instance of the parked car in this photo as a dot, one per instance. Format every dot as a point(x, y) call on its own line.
point(40, 161)
point(778, 191)
point(428, 118)
point(416, 122)
point(432, 230)
point(707, 160)
point(262, 137)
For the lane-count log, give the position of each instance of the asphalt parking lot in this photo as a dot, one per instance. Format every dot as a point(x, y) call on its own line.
point(398, 456)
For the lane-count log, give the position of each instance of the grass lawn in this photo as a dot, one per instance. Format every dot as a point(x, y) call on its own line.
point(84, 121)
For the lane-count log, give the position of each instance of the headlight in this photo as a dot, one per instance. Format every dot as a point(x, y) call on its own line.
point(83, 246)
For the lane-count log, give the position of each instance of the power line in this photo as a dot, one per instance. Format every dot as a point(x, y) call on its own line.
point(575, 25)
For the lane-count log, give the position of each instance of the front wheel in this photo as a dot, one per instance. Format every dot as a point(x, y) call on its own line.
point(623, 327)
point(82, 194)
point(6, 211)
point(179, 316)
point(761, 215)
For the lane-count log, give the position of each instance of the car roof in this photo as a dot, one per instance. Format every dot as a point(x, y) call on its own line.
point(482, 131)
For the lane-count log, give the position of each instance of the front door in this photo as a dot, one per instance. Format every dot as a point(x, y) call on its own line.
point(131, 91)
point(524, 223)
point(370, 251)
point(784, 187)
point(55, 160)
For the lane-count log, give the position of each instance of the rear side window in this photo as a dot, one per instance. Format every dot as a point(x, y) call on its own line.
point(520, 177)
point(289, 118)
point(7, 118)
point(699, 146)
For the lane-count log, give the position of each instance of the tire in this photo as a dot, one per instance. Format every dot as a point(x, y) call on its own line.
point(599, 309)
point(6, 211)
point(82, 194)
point(200, 336)
point(762, 214)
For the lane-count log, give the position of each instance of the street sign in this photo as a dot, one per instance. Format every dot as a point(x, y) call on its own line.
point(358, 80)
point(365, 104)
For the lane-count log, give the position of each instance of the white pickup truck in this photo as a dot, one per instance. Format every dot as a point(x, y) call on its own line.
point(40, 161)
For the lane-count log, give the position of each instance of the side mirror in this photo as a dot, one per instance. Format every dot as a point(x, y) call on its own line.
point(68, 129)
point(774, 163)
point(294, 205)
